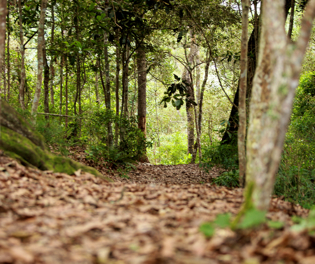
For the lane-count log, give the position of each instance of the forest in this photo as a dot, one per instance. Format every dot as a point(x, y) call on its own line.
point(157, 131)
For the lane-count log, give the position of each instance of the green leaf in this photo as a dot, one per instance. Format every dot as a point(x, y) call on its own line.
point(275, 224)
point(252, 218)
point(207, 229)
point(176, 77)
point(223, 220)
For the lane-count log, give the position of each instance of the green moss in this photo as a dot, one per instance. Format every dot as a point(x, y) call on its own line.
point(247, 205)
point(21, 148)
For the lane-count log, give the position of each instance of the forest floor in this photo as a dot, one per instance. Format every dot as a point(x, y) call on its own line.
point(153, 216)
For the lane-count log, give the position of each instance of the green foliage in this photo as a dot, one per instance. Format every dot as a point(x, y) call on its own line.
point(207, 229)
point(130, 148)
point(172, 151)
point(224, 156)
point(252, 218)
point(296, 175)
point(305, 223)
point(228, 179)
point(296, 185)
point(176, 94)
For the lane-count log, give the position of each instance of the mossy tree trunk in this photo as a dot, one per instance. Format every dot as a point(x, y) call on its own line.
point(19, 140)
point(274, 86)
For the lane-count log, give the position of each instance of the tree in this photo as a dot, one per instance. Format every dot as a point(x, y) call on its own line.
point(242, 95)
point(142, 92)
point(40, 55)
point(253, 49)
point(3, 13)
point(274, 85)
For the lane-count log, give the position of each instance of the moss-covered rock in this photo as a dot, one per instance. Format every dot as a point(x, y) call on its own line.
point(20, 141)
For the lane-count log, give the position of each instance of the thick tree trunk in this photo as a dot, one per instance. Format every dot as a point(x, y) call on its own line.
point(40, 57)
point(242, 95)
point(142, 94)
point(229, 135)
point(275, 82)
point(3, 15)
point(22, 51)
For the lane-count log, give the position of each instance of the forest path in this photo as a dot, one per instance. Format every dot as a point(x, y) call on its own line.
point(50, 217)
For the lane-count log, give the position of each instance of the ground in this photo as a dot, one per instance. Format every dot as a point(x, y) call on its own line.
point(153, 216)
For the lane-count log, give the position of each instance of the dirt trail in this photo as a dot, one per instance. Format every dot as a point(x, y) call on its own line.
point(152, 217)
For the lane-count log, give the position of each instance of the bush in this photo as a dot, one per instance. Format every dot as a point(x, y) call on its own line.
point(228, 179)
point(224, 156)
point(173, 150)
point(295, 179)
point(131, 147)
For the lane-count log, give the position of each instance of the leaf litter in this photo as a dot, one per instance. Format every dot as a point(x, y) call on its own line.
point(153, 216)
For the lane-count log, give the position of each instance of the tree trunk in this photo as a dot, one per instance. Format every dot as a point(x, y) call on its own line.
point(46, 84)
point(275, 82)
point(107, 91)
point(3, 15)
point(52, 70)
point(8, 57)
point(40, 57)
point(142, 94)
point(62, 63)
point(66, 91)
point(200, 102)
point(117, 86)
point(229, 135)
point(187, 78)
point(96, 85)
point(22, 51)
point(242, 95)
point(125, 81)
point(291, 19)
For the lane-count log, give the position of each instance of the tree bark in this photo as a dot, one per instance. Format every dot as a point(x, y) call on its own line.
point(3, 15)
point(187, 78)
point(52, 70)
point(46, 84)
point(124, 106)
point(40, 57)
point(107, 91)
point(242, 96)
point(142, 94)
point(117, 87)
point(22, 69)
point(8, 56)
point(66, 91)
point(229, 135)
point(200, 102)
point(291, 19)
point(275, 82)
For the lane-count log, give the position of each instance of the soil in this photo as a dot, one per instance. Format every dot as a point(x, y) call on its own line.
point(151, 214)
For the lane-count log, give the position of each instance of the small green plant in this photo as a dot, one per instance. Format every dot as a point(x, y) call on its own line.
point(307, 223)
point(228, 179)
